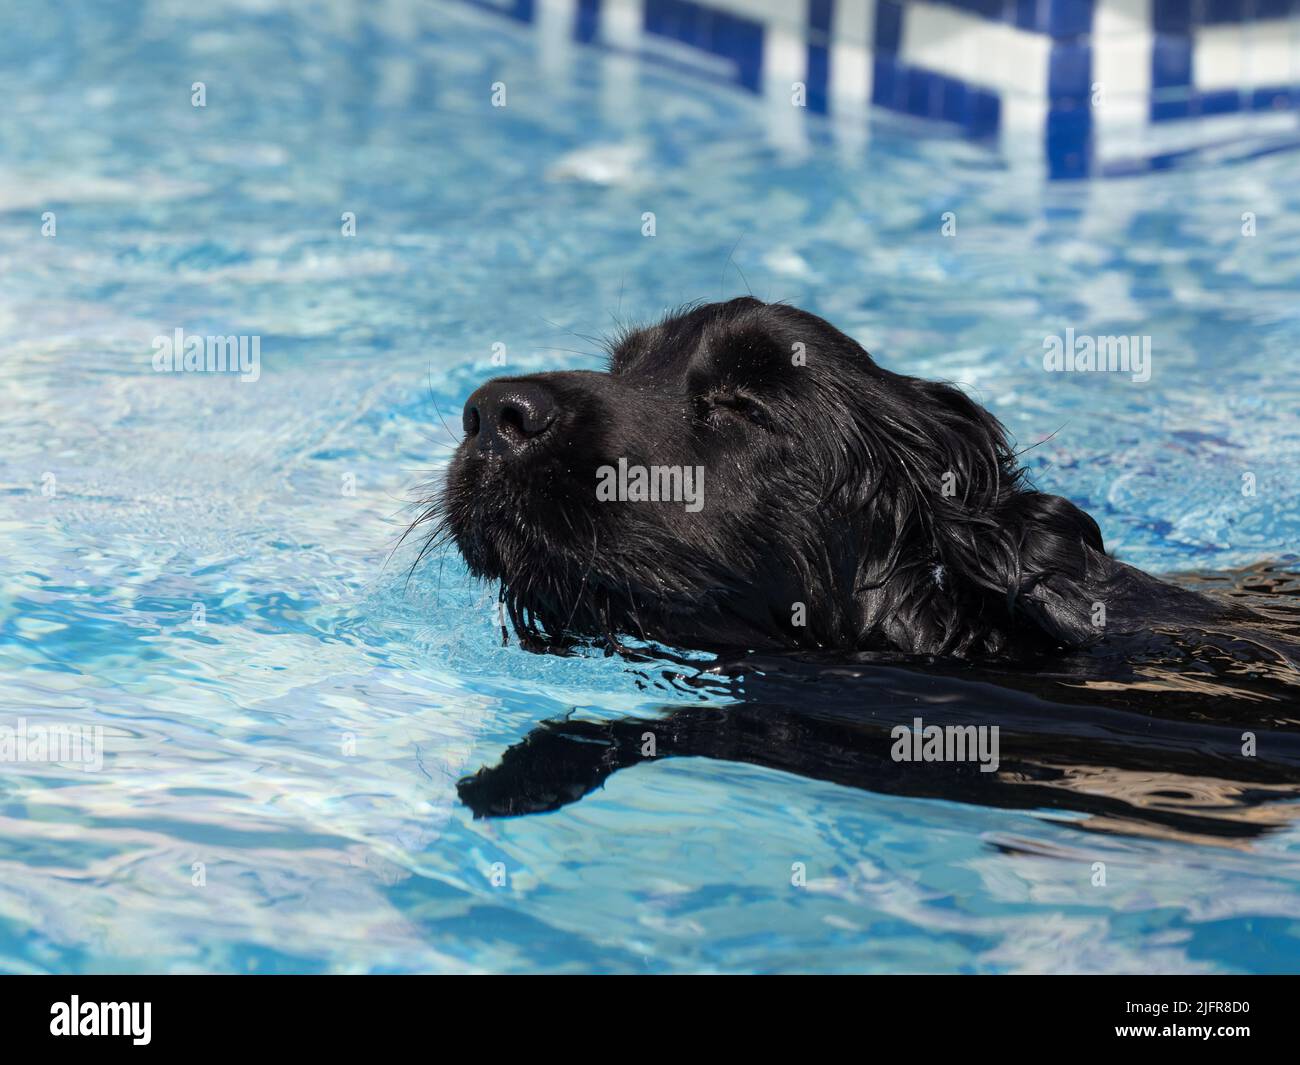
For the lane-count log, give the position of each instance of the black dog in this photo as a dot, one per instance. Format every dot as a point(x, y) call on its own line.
point(808, 499)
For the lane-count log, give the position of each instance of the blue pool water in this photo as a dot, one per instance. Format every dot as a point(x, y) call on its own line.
point(278, 783)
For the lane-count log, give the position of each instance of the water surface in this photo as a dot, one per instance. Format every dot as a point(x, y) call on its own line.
point(278, 789)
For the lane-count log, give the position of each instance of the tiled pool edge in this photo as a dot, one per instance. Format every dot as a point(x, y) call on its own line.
point(1077, 87)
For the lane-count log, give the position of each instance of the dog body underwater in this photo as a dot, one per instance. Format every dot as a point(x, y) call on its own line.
point(842, 507)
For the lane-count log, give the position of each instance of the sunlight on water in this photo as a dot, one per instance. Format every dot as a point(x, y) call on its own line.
point(200, 566)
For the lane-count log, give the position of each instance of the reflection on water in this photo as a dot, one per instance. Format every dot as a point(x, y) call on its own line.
point(1181, 734)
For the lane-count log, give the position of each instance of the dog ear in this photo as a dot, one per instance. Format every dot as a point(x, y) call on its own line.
point(1033, 547)
point(994, 536)
point(1055, 542)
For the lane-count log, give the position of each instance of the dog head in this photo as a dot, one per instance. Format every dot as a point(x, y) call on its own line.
point(744, 476)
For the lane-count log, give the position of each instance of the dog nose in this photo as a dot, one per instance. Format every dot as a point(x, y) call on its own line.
point(502, 416)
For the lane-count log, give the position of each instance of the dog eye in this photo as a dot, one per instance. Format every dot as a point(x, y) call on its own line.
point(721, 405)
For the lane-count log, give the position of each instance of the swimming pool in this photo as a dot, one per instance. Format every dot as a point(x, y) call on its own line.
point(200, 565)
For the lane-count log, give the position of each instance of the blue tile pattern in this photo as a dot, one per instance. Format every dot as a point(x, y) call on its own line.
point(904, 75)
point(710, 30)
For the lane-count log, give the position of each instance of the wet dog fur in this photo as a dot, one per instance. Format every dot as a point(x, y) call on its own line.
point(845, 507)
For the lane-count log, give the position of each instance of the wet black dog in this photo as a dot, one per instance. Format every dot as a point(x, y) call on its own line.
point(745, 477)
